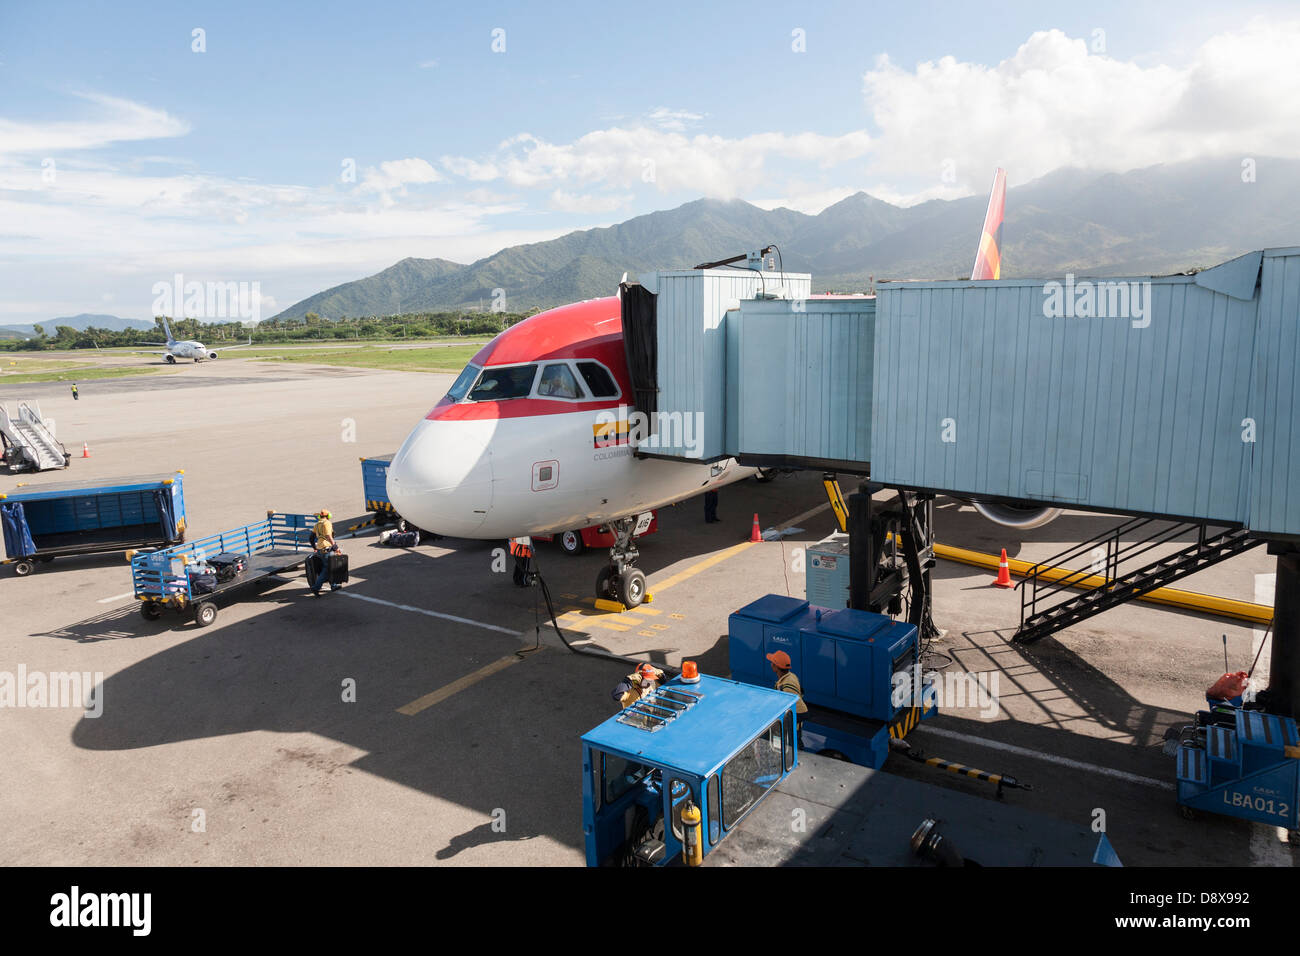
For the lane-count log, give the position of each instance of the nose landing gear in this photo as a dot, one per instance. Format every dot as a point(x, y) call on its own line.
point(620, 580)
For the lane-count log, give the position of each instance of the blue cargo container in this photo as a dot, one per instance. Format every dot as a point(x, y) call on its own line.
point(374, 485)
point(99, 516)
point(858, 670)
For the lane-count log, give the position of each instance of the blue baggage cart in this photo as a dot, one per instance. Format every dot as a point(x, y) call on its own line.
point(97, 516)
point(163, 580)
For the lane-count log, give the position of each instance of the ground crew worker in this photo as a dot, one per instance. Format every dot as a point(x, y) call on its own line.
point(75, 396)
point(786, 679)
point(641, 682)
point(323, 541)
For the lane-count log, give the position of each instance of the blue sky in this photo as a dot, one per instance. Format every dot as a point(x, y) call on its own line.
point(126, 156)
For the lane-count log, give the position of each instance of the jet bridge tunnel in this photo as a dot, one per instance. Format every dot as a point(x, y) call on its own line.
point(1171, 397)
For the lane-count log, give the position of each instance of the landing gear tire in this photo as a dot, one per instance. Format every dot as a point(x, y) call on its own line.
point(24, 568)
point(150, 611)
point(571, 543)
point(631, 587)
point(604, 583)
point(171, 360)
point(402, 526)
point(205, 614)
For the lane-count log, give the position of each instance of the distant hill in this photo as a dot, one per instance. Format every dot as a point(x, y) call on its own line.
point(399, 288)
point(1148, 221)
point(80, 322)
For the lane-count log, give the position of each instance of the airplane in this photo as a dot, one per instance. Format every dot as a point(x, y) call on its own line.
point(512, 449)
point(189, 349)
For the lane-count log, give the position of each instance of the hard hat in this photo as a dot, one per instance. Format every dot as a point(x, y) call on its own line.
point(324, 513)
point(649, 671)
point(781, 659)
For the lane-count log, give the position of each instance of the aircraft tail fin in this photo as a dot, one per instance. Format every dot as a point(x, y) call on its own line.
point(988, 258)
point(168, 329)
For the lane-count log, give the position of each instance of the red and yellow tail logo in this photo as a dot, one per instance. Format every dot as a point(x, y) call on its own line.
point(988, 259)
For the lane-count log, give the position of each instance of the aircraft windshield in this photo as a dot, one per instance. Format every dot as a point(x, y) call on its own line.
point(496, 384)
point(464, 380)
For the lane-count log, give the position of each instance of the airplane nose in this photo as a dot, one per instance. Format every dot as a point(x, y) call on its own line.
point(440, 480)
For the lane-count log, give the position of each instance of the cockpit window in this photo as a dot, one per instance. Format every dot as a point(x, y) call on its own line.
point(497, 384)
point(558, 382)
point(464, 380)
point(598, 380)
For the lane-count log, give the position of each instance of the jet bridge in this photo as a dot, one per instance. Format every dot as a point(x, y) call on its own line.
point(1159, 397)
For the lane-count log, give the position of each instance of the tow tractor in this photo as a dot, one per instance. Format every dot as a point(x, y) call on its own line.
point(709, 771)
point(1241, 763)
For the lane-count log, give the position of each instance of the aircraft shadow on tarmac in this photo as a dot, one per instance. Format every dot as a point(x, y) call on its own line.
point(506, 742)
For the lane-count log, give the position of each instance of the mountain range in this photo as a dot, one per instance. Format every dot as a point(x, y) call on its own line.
point(79, 322)
point(1161, 219)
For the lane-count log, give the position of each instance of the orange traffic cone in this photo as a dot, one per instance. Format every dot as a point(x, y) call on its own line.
point(1004, 573)
point(85, 450)
point(755, 534)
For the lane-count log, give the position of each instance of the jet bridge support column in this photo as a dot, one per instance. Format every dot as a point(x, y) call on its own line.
point(1283, 694)
point(890, 552)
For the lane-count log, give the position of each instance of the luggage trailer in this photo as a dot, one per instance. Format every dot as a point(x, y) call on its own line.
point(162, 583)
point(91, 516)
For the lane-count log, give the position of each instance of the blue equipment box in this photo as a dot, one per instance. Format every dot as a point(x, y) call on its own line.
point(846, 660)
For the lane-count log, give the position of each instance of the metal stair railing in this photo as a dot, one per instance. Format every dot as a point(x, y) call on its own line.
point(1105, 583)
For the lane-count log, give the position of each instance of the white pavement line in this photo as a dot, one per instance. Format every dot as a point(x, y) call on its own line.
point(1050, 758)
point(439, 614)
point(116, 597)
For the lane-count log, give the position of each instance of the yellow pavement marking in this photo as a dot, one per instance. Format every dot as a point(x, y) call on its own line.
point(731, 552)
point(456, 686)
point(660, 627)
point(601, 622)
point(678, 617)
point(646, 633)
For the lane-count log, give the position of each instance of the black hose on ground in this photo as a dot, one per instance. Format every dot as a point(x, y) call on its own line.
point(536, 576)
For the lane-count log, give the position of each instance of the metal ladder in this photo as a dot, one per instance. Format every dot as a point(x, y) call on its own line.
point(30, 434)
point(1114, 574)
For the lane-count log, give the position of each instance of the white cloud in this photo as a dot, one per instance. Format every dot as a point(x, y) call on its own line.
point(398, 173)
point(1056, 104)
point(675, 120)
point(625, 157)
point(428, 64)
point(588, 202)
point(116, 120)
